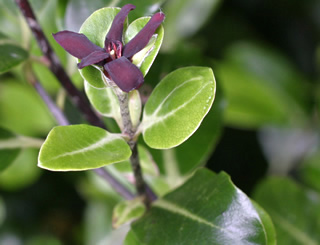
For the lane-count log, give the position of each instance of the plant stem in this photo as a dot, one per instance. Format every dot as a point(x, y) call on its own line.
point(117, 186)
point(143, 189)
point(55, 66)
point(55, 111)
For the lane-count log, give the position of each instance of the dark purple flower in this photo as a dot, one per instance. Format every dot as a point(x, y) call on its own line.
point(114, 57)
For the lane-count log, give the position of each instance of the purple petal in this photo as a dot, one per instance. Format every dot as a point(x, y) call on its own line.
point(76, 44)
point(116, 30)
point(125, 74)
point(143, 37)
point(93, 58)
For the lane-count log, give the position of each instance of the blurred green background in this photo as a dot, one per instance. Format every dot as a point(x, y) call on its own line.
point(263, 129)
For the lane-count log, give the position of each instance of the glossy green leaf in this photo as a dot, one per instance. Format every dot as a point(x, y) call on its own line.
point(267, 224)
point(81, 147)
point(22, 110)
point(293, 209)
point(194, 152)
point(22, 172)
point(184, 18)
point(127, 211)
point(261, 87)
point(97, 26)
point(177, 106)
point(11, 56)
point(146, 56)
point(207, 209)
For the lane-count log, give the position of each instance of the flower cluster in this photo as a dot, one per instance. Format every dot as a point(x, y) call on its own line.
point(115, 57)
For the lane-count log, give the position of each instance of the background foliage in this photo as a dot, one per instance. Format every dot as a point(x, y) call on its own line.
point(263, 129)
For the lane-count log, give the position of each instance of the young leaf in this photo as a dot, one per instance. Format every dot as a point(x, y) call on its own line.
point(127, 211)
point(214, 211)
point(177, 106)
point(294, 210)
point(81, 147)
point(11, 56)
point(146, 56)
point(267, 223)
point(135, 107)
point(104, 101)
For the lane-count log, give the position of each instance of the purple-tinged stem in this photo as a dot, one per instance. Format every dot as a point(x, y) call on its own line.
point(55, 66)
point(55, 111)
point(63, 121)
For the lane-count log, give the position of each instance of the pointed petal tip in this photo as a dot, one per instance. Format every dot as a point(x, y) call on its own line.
point(116, 29)
point(143, 37)
point(158, 17)
point(129, 7)
point(76, 44)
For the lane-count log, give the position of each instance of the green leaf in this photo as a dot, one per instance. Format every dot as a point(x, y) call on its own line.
point(294, 210)
point(11, 56)
point(104, 101)
point(22, 110)
point(267, 223)
point(194, 152)
point(207, 209)
point(146, 56)
point(135, 107)
point(127, 211)
point(261, 87)
point(177, 106)
point(22, 172)
point(81, 147)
